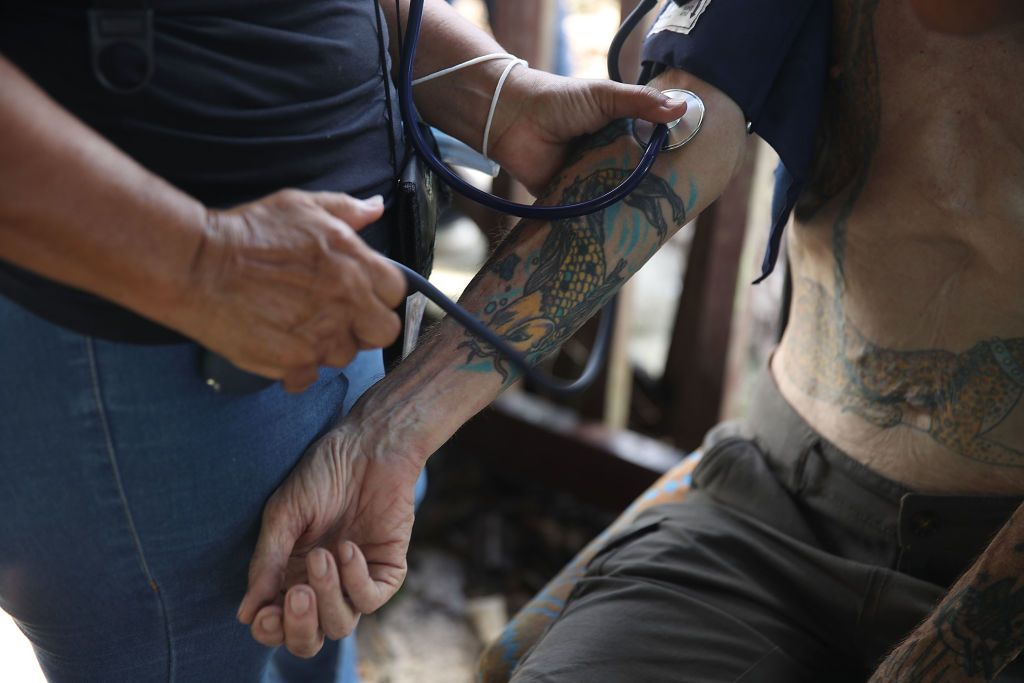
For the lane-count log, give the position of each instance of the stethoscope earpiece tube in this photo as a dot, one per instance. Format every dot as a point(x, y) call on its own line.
point(622, 35)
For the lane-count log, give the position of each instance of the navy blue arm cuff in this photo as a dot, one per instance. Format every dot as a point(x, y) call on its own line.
point(771, 58)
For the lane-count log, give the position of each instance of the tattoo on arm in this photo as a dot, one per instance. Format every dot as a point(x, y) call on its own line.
point(978, 627)
point(602, 138)
point(548, 293)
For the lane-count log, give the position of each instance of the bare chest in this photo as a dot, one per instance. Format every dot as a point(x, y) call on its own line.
point(906, 345)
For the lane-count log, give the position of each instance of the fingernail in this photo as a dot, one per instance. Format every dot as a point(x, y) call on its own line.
point(270, 623)
point(238, 614)
point(347, 553)
point(319, 562)
point(299, 602)
point(375, 201)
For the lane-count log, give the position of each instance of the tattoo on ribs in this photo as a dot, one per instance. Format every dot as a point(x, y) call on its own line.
point(958, 399)
point(569, 278)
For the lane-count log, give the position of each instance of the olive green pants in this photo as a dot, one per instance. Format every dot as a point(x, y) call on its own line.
point(788, 562)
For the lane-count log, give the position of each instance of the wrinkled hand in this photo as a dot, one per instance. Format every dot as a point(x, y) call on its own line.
point(333, 542)
point(284, 285)
point(545, 112)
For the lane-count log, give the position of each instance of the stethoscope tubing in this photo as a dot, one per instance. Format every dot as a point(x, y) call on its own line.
point(550, 385)
point(410, 122)
point(224, 377)
point(622, 35)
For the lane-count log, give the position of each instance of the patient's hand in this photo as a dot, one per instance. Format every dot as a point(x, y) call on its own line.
point(333, 541)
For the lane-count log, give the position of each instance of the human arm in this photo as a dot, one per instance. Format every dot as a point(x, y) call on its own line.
point(266, 284)
point(351, 495)
point(538, 113)
point(977, 629)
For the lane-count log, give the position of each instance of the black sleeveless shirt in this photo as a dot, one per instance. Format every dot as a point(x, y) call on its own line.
point(247, 97)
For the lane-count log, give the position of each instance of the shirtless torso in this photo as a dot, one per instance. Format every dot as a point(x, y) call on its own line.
point(906, 341)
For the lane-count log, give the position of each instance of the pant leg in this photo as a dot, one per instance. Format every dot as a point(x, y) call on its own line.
point(699, 591)
point(131, 497)
point(783, 564)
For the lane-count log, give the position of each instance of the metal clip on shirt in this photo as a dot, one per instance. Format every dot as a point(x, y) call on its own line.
point(121, 44)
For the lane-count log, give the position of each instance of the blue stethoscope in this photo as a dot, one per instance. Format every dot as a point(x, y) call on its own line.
point(224, 377)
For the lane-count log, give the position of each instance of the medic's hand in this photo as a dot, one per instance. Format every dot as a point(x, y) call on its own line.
point(284, 285)
point(333, 541)
point(540, 113)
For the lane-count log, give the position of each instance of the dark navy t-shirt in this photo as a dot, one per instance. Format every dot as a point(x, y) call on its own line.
point(247, 97)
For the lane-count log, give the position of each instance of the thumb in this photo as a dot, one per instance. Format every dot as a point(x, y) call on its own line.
point(357, 213)
point(269, 562)
point(618, 101)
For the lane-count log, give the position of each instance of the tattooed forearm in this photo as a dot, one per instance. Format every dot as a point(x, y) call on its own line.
point(548, 293)
point(545, 278)
point(977, 629)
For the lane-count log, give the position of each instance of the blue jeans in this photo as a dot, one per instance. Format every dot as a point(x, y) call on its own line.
point(130, 501)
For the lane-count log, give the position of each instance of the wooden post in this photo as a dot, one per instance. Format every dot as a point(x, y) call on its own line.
point(618, 394)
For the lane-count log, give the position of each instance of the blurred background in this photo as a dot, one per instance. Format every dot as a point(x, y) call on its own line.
point(530, 481)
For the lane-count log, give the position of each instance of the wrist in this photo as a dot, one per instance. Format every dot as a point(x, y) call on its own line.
point(178, 290)
point(164, 277)
point(414, 406)
point(509, 103)
point(467, 95)
point(395, 427)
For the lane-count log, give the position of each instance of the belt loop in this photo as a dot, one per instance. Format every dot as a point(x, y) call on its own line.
point(799, 474)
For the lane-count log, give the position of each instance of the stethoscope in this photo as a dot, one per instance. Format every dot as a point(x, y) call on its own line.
point(225, 377)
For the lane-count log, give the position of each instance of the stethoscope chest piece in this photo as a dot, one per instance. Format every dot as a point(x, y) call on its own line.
point(682, 130)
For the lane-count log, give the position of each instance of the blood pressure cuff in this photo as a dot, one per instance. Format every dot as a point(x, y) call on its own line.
point(771, 58)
